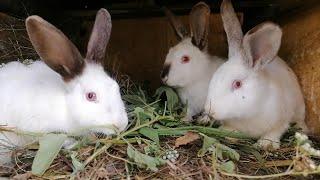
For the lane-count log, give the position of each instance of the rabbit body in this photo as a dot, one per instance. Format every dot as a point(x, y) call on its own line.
point(35, 98)
point(188, 67)
point(255, 91)
point(271, 100)
point(192, 84)
point(29, 94)
point(62, 93)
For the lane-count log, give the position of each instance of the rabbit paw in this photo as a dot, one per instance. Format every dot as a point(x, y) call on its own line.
point(205, 119)
point(267, 144)
point(187, 119)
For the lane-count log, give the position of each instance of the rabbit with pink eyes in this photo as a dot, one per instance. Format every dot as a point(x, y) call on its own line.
point(63, 93)
point(255, 91)
point(188, 67)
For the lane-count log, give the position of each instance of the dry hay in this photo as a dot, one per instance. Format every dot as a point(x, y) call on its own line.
point(14, 41)
point(114, 163)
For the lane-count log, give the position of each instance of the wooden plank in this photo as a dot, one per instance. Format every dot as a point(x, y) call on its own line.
point(138, 46)
point(301, 48)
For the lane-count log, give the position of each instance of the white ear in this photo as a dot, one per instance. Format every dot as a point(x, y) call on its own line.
point(261, 44)
point(232, 27)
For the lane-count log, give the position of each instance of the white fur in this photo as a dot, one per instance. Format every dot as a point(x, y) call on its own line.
point(35, 98)
point(269, 97)
point(263, 107)
point(191, 80)
point(38, 99)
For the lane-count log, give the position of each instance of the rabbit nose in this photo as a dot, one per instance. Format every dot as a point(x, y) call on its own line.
point(164, 73)
point(164, 79)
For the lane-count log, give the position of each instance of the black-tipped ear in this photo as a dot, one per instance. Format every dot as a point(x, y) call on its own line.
point(54, 48)
point(261, 44)
point(199, 25)
point(99, 38)
point(177, 25)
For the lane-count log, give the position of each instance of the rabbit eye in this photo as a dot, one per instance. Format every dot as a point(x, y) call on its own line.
point(91, 96)
point(236, 84)
point(185, 59)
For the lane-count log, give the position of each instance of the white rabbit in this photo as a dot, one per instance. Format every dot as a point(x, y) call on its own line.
point(188, 67)
point(255, 91)
point(66, 92)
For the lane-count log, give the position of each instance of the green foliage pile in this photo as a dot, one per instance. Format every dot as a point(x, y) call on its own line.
point(155, 141)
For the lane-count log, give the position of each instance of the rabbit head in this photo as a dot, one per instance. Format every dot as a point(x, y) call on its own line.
point(92, 97)
point(186, 60)
point(240, 86)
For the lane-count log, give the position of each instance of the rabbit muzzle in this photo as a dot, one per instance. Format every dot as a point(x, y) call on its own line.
point(164, 73)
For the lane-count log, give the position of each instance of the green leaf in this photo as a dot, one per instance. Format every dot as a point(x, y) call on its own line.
point(142, 94)
point(170, 122)
point(150, 133)
point(210, 131)
point(49, 148)
point(251, 150)
point(219, 153)
point(152, 148)
point(143, 160)
point(221, 150)
point(133, 99)
point(228, 167)
point(143, 116)
point(77, 165)
point(229, 152)
point(171, 132)
point(172, 97)
point(207, 143)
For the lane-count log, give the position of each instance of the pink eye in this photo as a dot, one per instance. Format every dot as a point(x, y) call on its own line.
point(91, 96)
point(185, 59)
point(236, 84)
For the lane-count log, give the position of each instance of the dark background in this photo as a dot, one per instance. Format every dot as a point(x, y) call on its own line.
point(56, 11)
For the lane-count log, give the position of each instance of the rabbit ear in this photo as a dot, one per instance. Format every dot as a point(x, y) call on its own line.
point(54, 48)
point(232, 27)
point(177, 25)
point(261, 44)
point(199, 24)
point(99, 38)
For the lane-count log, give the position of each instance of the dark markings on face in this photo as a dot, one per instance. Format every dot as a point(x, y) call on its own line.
point(243, 97)
point(165, 71)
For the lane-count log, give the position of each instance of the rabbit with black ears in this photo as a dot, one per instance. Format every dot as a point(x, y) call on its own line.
point(255, 91)
point(188, 67)
point(63, 93)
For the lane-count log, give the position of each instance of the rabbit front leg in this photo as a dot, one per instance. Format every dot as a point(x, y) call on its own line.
point(188, 117)
point(271, 140)
point(204, 119)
